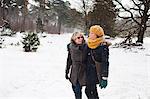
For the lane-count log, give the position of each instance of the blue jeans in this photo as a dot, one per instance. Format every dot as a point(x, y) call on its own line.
point(77, 90)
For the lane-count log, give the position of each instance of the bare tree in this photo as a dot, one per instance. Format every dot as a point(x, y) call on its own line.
point(139, 13)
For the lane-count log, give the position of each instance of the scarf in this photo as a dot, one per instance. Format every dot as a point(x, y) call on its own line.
point(95, 43)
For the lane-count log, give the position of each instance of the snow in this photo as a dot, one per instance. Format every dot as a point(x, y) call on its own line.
point(40, 75)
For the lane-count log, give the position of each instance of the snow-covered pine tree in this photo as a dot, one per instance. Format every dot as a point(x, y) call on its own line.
point(1, 42)
point(30, 42)
point(5, 29)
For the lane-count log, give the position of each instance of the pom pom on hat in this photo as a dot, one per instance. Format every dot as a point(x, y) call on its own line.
point(96, 29)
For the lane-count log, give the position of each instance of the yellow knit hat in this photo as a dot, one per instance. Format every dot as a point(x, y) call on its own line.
point(96, 29)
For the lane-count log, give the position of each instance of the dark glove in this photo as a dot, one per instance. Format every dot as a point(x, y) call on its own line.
point(66, 76)
point(103, 84)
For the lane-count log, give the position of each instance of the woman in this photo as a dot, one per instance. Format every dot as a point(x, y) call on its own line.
point(97, 61)
point(76, 62)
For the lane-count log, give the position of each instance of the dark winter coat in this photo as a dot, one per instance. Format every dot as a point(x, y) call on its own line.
point(76, 62)
point(99, 55)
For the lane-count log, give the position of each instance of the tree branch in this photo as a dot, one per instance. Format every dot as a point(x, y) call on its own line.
point(128, 29)
point(126, 22)
point(139, 10)
point(124, 17)
point(136, 9)
point(138, 5)
point(128, 12)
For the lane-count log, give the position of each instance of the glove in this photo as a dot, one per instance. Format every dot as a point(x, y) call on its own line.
point(66, 76)
point(103, 84)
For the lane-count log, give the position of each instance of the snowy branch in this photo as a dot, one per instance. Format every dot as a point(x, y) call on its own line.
point(132, 16)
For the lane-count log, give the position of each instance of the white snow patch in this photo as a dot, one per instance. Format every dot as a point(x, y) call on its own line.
point(40, 75)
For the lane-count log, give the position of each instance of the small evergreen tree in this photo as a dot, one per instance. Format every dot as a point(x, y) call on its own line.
point(30, 42)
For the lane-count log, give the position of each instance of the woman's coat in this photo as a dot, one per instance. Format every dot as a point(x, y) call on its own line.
point(76, 62)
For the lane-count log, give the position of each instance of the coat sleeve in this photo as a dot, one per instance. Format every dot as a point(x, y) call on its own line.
point(105, 61)
point(69, 61)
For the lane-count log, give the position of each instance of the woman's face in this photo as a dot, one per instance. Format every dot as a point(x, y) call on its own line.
point(79, 39)
point(92, 36)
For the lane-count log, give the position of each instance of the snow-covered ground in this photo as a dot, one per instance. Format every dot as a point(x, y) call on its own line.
point(40, 75)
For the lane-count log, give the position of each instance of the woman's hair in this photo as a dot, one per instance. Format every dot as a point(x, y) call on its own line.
point(74, 36)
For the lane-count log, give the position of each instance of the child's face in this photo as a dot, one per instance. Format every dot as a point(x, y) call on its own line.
point(92, 36)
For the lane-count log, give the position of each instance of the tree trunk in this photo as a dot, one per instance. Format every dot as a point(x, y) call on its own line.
point(23, 24)
point(141, 35)
point(25, 9)
point(59, 24)
point(143, 25)
point(86, 24)
point(85, 17)
point(3, 13)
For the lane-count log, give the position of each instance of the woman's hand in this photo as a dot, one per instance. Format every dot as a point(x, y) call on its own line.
point(103, 83)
